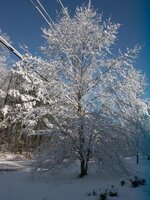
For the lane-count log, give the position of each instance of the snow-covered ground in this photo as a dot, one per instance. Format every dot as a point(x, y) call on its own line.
point(17, 183)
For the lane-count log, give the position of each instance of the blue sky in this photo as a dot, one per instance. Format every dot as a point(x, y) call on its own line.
point(21, 21)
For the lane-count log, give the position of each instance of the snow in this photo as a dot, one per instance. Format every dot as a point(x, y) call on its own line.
point(21, 185)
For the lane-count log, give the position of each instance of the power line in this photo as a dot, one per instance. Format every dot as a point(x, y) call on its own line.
point(10, 47)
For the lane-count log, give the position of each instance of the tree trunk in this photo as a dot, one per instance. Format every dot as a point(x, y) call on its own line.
point(137, 153)
point(83, 168)
point(137, 158)
point(84, 164)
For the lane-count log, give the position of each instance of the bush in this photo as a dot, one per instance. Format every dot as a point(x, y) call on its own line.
point(122, 182)
point(104, 193)
point(113, 192)
point(103, 196)
point(135, 182)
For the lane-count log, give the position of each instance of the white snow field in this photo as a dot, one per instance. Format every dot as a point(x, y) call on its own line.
point(17, 183)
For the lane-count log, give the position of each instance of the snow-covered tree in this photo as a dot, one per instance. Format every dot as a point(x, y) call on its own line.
point(3, 64)
point(145, 150)
point(4, 82)
point(82, 96)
